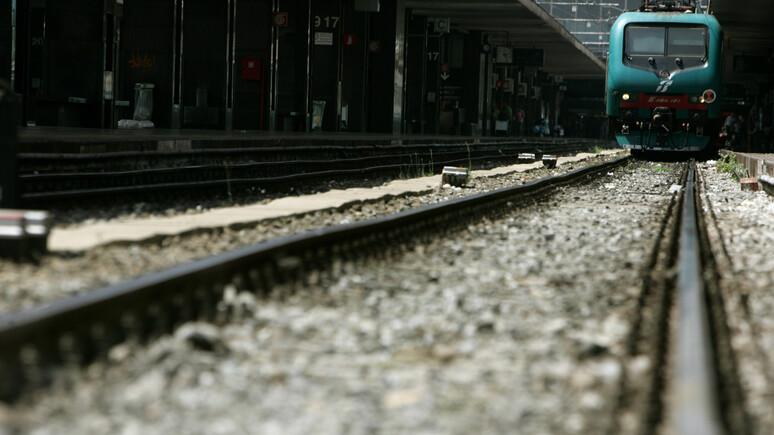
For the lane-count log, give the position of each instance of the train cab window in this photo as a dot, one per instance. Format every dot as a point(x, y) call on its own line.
point(687, 41)
point(645, 41)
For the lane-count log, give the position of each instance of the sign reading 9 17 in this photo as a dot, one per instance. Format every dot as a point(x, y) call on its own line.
point(326, 22)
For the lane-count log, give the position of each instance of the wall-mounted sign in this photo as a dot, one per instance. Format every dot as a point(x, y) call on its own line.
point(251, 69)
point(107, 85)
point(442, 25)
point(350, 39)
point(323, 38)
point(281, 19)
point(326, 22)
point(504, 55)
point(142, 62)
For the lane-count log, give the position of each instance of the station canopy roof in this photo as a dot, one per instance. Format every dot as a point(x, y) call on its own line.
point(749, 32)
point(746, 21)
point(519, 24)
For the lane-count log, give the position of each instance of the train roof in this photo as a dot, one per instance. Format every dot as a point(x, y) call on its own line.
point(666, 17)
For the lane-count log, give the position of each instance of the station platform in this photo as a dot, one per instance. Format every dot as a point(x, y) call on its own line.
point(757, 164)
point(87, 140)
point(88, 236)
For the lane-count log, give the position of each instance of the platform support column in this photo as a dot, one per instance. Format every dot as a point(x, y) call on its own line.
point(177, 63)
point(9, 119)
point(308, 89)
point(273, 68)
point(231, 16)
point(400, 65)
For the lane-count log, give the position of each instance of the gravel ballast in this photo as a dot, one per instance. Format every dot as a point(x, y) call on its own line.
point(746, 226)
point(514, 325)
point(61, 275)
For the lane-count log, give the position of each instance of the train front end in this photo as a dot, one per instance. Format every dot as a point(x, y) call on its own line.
point(663, 79)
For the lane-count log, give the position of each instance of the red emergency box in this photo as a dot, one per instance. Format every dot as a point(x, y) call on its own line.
point(251, 69)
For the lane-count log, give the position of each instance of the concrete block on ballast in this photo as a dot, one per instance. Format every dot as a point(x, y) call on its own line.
point(455, 176)
point(23, 233)
point(550, 161)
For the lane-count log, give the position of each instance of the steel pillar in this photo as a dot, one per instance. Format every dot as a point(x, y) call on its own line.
point(400, 67)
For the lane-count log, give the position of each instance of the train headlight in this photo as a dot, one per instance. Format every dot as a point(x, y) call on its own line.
point(709, 96)
point(626, 97)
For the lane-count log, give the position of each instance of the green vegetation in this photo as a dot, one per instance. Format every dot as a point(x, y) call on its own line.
point(728, 164)
point(660, 169)
point(417, 167)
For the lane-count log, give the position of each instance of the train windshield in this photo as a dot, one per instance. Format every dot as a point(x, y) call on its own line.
point(643, 41)
point(666, 41)
point(687, 41)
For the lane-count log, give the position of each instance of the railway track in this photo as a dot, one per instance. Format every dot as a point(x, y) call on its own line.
point(78, 330)
point(689, 386)
point(60, 177)
point(692, 385)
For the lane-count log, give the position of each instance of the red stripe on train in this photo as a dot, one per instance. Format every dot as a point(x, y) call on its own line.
point(645, 101)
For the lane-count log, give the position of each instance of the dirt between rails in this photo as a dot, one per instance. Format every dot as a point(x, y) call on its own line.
point(515, 324)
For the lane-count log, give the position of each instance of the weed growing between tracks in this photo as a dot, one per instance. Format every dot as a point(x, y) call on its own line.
point(729, 165)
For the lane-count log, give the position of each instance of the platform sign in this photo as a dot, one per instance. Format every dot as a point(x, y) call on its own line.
point(323, 38)
point(442, 25)
point(528, 57)
point(445, 71)
point(251, 69)
point(350, 40)
point(281, 19)
point(107, 85)
point(504, 55)
point(326, 22)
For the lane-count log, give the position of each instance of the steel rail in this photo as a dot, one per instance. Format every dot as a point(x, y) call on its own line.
point(695, 409)
point(35, 341)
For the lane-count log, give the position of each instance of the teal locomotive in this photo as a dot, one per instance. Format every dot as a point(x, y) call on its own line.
point(663, 78)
